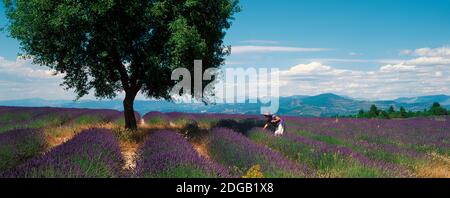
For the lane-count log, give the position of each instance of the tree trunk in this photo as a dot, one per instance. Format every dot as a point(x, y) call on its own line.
point(128, 106)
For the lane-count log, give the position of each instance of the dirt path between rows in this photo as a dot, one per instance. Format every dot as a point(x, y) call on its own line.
point(55, 136)
point(202, 150)
point(129, 153)
point(130, 149)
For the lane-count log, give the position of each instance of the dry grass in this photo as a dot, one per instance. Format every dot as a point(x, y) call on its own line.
point(329, 174)
point(57, 135)
point(437, 167)
point(129, 153)
point(441, 119)
point(131, 140)
point(202, 150)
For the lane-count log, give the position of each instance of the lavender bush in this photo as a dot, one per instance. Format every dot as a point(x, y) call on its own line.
point(404, 143)
point(327, 159)
point(91, 154)
point(156, 118)
point(38, 117)
point(166, 154)
point(310, 147)
point(420, 134)
point(235, 150)
point(16, 146)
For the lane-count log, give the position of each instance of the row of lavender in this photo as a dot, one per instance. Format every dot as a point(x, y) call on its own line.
point(237, 151)
point(22, 129)
point(234, 150)
point(311, 147)
point(19, 145)
point(397, 145)
point(167, 154)
point(38, 117)
point(39, 112)
point(328, 160)
point(94, 153)
point(330, 147)
point(427, 132)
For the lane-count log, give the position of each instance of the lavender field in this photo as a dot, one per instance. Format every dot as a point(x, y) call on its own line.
point(85, 143)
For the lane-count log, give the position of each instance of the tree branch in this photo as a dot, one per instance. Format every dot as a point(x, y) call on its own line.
point(124, 78)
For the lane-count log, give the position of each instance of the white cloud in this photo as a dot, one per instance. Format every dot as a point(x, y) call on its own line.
point(337, 60)
point(414, 61)
point(355, 54)
point(419, 75)
point(245, 49)
point(429, 61)
point(22, 79)
point(443, 51)
point(309, 68)
point(352, 60)
point(406, 52)
point(24, 67)
point(260, 42)
point(433, 52)
point(388, 82)
point(397, 67)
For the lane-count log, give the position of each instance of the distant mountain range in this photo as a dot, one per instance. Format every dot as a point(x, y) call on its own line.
point(324, 105)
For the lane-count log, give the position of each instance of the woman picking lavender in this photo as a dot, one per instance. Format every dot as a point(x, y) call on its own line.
point(274, 123)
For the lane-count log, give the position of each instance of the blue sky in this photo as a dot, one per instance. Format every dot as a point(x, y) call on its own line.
point(375, 29)
point(368, 49)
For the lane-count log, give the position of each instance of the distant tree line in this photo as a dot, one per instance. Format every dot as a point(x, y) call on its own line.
point(435, 110)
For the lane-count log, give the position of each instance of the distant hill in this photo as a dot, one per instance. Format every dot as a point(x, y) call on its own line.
point(324, 105)
point(33, 102)
point(443, 99)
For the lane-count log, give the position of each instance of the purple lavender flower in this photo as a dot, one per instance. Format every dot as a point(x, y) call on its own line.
point(91, 154)
point(235, 150)
point(16, 146)
point(167, 154)
point(37, 117)
point(156, 118)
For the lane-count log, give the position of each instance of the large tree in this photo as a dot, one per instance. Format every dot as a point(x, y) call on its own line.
point(116, 46)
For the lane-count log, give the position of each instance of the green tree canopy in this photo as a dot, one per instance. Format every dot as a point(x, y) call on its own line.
point(437, 109)
point(391, 110)
point(373, 112)
point(114, 46)
point(403, 113)
point(383, 115)
point(361, 114)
